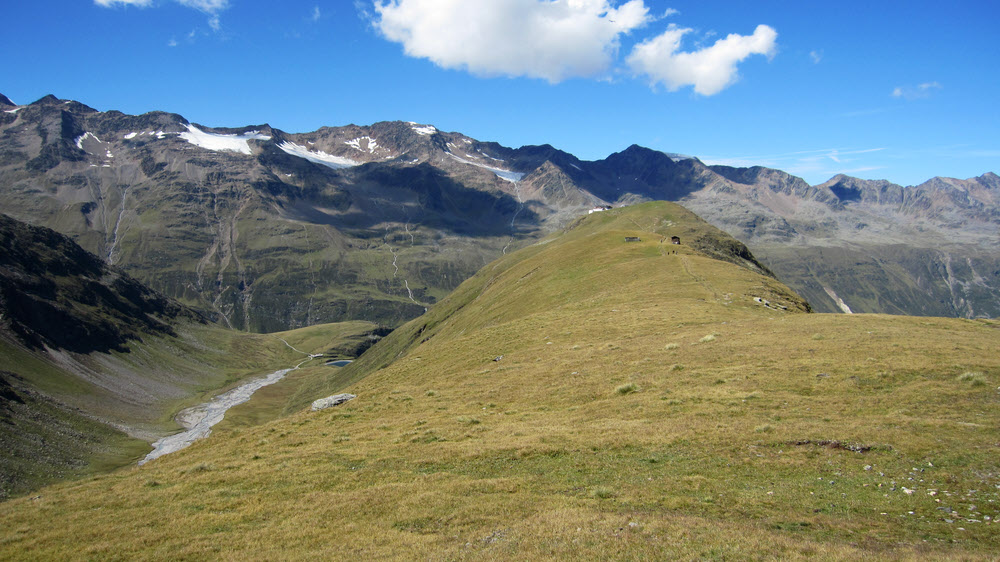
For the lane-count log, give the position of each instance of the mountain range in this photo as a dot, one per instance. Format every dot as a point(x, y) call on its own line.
point(266, 230)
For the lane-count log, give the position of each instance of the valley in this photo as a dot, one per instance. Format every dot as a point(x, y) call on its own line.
point(95, 365)
point(586, 396)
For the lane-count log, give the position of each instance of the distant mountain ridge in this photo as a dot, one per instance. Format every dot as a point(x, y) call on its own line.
point(270, 230)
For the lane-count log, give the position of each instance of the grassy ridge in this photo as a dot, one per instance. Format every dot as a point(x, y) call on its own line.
point(647, 404)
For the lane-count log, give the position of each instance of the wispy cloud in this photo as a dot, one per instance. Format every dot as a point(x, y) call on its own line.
point(814, 165)
point(112, 3)
point(861, 169)
point(816, 56)
point(821, 152)
point(207, 6)
point(916, 92)
point(316, 14)
point(211, 8)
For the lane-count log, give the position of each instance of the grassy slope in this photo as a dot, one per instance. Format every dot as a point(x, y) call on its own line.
point(645, 407)
point(334, 341)
point(51, 431)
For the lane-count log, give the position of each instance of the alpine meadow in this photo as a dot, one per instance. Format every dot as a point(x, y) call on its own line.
point(499, 280)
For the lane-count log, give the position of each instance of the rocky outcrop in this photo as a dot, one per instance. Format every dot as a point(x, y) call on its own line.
point(331, 401)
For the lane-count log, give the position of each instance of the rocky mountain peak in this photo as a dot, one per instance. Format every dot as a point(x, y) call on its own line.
point(846, 189)
point(5, 101)
point(47, 100)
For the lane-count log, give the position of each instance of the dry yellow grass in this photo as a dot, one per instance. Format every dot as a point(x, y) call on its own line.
point(449, 454)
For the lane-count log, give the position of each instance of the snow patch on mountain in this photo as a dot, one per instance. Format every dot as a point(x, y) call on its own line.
point(220, 142)
point(317, 157)
point(423, 129)
point(490, 157)
point(501, 173)
point(157, 134)
point(79, 140)
point(15, 110)
point(371, 144)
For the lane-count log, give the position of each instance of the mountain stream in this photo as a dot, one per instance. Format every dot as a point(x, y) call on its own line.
point(198, 420)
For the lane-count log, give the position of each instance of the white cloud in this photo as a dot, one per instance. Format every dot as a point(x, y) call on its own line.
point(816, 56)
point(549, 39)
point(110, 3)
point(708, 70)
point(316, 14)
point(920, 91)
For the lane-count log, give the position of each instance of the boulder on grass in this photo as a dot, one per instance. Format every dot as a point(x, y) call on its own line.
point(330, 401)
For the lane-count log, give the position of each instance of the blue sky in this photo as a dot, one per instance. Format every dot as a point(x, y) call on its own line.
point(896, 90)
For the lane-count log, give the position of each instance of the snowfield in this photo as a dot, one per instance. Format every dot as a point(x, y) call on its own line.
point(317, 157)
point(356, 144)
point(221, 143)
point(501, 173)
point(423, 130)
point(83, 137)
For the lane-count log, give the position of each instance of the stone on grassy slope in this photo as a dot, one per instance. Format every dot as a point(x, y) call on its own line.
point(331, 401)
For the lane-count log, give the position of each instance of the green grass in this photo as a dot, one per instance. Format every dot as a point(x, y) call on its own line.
point(973, 378)
point(774, 462)
point(628, 388)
